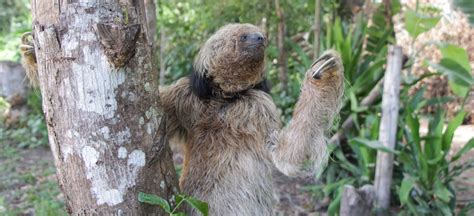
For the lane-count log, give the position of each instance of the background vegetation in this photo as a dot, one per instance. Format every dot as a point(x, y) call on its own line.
point(360, 30)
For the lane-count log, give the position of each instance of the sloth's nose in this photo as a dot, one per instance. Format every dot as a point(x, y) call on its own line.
point(256, 37)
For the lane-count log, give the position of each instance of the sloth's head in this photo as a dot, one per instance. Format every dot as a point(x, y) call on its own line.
point(233, 59)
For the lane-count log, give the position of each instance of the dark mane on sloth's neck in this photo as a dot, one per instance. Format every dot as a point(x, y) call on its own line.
point(206, 89)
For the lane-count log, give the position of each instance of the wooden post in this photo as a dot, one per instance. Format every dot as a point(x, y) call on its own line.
point(388, 127)
point(317, 27)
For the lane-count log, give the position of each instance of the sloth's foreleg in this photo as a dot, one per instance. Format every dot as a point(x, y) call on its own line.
point(300, 148)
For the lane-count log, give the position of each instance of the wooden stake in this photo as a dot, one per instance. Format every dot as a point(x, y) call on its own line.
point(388, 127)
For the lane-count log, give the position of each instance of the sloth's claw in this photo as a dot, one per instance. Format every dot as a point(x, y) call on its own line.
point(324, 63)
point(27, 49)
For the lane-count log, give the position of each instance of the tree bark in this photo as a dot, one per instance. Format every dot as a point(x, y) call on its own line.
point(150, 12)
point(282, 55)
point(101, 103)
point(388, 127)
point(162, 55)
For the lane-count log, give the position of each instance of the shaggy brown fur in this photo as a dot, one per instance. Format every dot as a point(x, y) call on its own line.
point(28, 60)
point(232, 137)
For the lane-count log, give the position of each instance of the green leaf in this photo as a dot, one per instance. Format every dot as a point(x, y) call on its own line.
point(454, 71)
point(373, 144)
point(333, 208)
point(449, 132)
point(417, 99)
point(457, 89)
point(154, 200)
point(456, 54)
point(407, 184)
point(455, 65)
point(178, 214)
point(203, 207)
point(442, 192)
point(469, 145)
point(417, 23)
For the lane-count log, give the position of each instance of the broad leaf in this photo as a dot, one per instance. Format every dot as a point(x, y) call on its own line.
point(417, 23)
point(373, 144)
point(442, 192)
point(460, 80)
point(203, 207)
point(449, 132)
point(407, 184)
point(154, 200)
point(456, 54)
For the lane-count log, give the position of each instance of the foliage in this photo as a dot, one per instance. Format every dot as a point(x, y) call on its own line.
point(15, 19)
point(31, 131)
point(179, 199)
point(417, 22)
point(353, 161)
point(455, 65)
point(427, 186)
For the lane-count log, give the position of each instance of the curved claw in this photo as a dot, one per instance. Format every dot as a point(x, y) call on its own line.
point(329, 62)
point(27, 49)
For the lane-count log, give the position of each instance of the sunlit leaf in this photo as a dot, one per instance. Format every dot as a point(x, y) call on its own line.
point(417, 23)
point(460, 80)
point(456, 54)
point(449, 132)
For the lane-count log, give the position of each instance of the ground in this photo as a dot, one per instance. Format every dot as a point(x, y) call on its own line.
point(28, 183)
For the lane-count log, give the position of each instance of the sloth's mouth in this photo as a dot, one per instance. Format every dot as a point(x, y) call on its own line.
point(255, 45)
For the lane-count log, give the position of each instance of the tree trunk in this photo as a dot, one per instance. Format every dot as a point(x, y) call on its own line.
point(101, 103)
point(162, 55)
point(150, 12)
point(282, 56)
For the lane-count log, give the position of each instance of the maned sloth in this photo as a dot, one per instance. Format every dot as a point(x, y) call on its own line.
point(231, 128)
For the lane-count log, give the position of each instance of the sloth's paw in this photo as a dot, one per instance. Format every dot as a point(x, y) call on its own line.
point(329, 64)
point(27, 48)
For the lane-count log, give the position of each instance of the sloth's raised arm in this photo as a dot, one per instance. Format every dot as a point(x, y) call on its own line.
point(300, 148)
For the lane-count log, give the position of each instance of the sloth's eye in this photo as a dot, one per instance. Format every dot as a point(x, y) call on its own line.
point(243, 38)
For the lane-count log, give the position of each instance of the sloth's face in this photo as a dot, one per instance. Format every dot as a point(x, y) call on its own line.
point(251, 46)
point(234, 57)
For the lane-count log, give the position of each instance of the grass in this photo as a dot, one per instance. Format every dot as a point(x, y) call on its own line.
point(27, 176)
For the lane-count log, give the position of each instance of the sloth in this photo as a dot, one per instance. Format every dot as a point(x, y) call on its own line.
point(231, 130)
point(230, 127)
